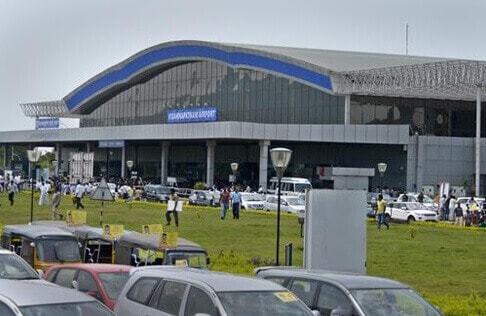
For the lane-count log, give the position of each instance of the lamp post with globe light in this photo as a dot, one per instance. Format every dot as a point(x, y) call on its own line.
point(280, 160)
point(234, 168)
point(34, 156)
point(381, 169)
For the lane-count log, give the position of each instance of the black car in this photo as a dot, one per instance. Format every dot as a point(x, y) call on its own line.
point(156, 192)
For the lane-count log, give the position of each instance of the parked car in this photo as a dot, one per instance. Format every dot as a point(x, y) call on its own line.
point(200, 197)
point(156, 192)
point(27, 298)
point(409, 212)
point(372, 198)
point(333, 293)
point(370, 212)
point(102, 281)
point(413, 197)
point(171, 290)
point(252, 201)
point(289, 204)
point(466, 201)
point(13, 267)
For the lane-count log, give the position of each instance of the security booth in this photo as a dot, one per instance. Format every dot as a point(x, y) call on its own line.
point(138, 249)
point(41, 246)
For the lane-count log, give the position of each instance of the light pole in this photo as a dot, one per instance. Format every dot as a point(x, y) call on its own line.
point(129, 165)
point(280, 161)
point(34, 157)
point(381, 169)
point(234, 168)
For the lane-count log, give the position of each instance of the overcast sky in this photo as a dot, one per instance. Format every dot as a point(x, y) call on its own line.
point(50, 47)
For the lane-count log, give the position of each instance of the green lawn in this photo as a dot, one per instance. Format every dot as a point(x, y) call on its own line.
point(445, 263)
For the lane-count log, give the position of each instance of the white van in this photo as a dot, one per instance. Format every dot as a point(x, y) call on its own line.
point(290, 185)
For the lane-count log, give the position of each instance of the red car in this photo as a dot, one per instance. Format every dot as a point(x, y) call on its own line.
point(102, 281)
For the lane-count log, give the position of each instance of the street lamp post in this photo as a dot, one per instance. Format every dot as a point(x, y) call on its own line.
point(34, 157)
point(234, 168)
point(280, 160)
point(129, 166)
point(381, 169)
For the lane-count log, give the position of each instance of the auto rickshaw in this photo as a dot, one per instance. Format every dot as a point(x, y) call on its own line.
point(41, 246)
point(144, 249)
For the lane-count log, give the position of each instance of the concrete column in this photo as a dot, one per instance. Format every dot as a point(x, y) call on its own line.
point(164, 161)
point(123, 167)
point(88, 147)
point(58, 156)
point(347, 109)
point(478, 140)
point(263, 174)
point(210, 147)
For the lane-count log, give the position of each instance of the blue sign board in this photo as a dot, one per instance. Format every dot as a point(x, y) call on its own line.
point(111, 143)
point(205, 114)
point(47, 123)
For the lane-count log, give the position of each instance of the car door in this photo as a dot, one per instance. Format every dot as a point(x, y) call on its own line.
point(305, 289)
point(331, 297)
point(63, 277)
point(168, 297)
point(86, 283)
point(199, 303)
point(398, 211)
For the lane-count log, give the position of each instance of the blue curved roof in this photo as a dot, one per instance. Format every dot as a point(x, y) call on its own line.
point(108, 82)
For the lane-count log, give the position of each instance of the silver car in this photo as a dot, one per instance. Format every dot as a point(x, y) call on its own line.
point(13, 267)
point(333, 293)
point(30, 298)
point(186, 291)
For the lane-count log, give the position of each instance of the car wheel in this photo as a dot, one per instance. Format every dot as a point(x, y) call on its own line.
point(410, 219)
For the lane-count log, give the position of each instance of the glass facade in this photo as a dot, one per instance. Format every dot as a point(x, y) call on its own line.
point(239, 94)
point(425, 116)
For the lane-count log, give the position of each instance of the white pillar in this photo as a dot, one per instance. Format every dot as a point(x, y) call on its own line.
point(123, 167)
point(347, 109)
point(164, 161)
point(263, 174)
point(210, 146)
point(58, 157)
point(478, 139)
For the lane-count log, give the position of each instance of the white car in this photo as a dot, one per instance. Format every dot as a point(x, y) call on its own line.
point(409, 212)
point(428, 201)
point(288, 203)
point(465, 202)
point(252, 201)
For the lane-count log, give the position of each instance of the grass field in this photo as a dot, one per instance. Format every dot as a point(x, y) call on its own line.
point(445, 263)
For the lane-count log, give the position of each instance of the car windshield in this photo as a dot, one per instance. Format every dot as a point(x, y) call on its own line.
point(13, 267)
point(113, 282)
point(62, 250)
point(393, 302)
point(191, 259)
point(93, 308)
point(415, 206)
point(301, 187)
point(295, 201)
point(256, 303)
point(428, 199)
point(162, 190)
point(252, 197)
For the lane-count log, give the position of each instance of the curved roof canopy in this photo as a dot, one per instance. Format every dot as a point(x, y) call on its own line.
point(331, 71)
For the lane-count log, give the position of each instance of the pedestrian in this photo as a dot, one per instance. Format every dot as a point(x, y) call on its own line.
point(56, 200)
point(43, 188)
point(224, 199)
point(458, 215)
point(78, 195)
point(446, 208)
point(236, 202)
point(172, 207)
point(380, 212)
point(452, 207)
point(420, 197)
point(12, 189)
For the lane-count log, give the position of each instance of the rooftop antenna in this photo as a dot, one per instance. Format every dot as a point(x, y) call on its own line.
point(406, 38)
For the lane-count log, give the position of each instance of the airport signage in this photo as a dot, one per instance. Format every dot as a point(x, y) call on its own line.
point(205, 114)
point(47, 123)
point(111, 143)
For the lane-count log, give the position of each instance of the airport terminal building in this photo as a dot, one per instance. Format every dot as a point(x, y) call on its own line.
point(191, 108)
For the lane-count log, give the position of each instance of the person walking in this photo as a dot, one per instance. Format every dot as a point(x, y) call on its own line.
point(224, 199)
point(12, 189)
point(380, 212)
point(458, 215)
point(172, 207)
point(78, 195)
point(236, 202)
point(56, 200)
point(44, 189)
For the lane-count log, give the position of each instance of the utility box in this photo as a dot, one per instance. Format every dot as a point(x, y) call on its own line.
point(335, 230)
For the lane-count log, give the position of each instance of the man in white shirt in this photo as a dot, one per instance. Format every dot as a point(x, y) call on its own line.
point(79, 192)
